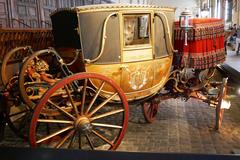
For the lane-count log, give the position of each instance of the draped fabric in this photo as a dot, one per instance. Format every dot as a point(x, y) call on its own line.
point(205, 47)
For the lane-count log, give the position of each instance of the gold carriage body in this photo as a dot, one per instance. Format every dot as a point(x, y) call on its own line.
point(129, 44)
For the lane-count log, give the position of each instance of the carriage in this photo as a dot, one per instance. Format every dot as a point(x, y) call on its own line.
point(76, 94)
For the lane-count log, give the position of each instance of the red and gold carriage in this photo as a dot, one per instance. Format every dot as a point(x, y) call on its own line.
point(76, 94)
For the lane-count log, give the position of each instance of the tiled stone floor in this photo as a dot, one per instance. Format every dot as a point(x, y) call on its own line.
point(186, 127)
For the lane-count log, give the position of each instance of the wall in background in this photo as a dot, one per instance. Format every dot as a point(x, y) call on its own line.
point(180, 5)
point(35, 13)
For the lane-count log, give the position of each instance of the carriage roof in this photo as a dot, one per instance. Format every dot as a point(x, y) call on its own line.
point(101, 7)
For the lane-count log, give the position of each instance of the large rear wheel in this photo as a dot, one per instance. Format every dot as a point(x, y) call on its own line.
point(84, 117)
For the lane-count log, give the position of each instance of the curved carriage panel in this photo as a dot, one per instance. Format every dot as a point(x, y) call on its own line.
point(92, 26)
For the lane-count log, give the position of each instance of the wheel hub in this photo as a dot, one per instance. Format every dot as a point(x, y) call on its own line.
point(83, 125)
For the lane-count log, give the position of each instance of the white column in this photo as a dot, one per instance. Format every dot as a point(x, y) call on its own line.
point(223, 7)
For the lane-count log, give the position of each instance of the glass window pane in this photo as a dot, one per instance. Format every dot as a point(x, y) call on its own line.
point(136, 29)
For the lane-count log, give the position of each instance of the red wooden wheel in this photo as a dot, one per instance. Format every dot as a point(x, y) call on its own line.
point(150, 110)
point(80, 118)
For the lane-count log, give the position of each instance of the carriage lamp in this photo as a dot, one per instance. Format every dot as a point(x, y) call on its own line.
point(186, 23)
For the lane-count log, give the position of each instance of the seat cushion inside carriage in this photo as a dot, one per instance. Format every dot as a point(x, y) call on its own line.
point(205, 48)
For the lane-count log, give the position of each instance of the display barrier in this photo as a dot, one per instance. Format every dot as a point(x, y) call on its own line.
point(36, 38)
point(68, 154)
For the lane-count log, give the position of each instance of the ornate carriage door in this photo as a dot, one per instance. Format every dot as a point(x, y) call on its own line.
point(4, 17)
point(137, 53)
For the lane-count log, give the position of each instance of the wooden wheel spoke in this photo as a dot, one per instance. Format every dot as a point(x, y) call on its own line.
point(79, 140)
point(107, 114)
point(90, 142)
point(149, 110)
point(22, 123)
point(84, 95)
point(152, 111)
point(64, 139)
point(15, 120)
point(54, 121)
point(37, 58)
point(59, 108)
point(54, 134)
point(106, 125)
point(72, 139)
point(152, 114)
point(102, 137)
point(102, 104)
point(95, 97)
point(71, 100)
point(11, 115)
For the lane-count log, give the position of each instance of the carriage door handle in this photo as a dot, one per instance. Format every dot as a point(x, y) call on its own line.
point(123, 66)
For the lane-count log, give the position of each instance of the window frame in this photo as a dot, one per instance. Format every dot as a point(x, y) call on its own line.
point(150, 32)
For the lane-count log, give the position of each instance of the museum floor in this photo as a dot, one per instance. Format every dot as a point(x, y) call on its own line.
point(180, 127)
point(186, 127)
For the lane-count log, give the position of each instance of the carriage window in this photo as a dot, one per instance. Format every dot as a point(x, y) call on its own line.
point(136, 29)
